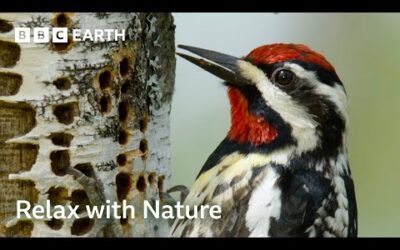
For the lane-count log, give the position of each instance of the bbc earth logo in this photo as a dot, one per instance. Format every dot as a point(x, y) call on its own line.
point(60, 35)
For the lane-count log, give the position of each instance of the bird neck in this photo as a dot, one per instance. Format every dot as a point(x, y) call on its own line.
point(247, 127)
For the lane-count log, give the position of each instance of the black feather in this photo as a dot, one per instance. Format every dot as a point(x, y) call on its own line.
point(303, 192)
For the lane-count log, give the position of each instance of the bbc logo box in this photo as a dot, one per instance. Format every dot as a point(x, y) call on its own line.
point(41, 35)
point(60, 35)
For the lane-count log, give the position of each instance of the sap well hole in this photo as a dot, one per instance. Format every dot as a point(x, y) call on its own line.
point(82, 226)
point(123, 111)
point(122, 160)
point(10, 83)
point(124, 67)
point(61, 139)
point(80, 198)
point(124, 183)
point(105, 104)
point(62, 83)
point(141, 184)
point(62, 20)
point(21, 229)
point(65, 113)
point(124, 221)
point(5, 26)
point(105, 79)
point(55, 224)
point(57, 196)
point(160, 183)
point(144, 148)
point(59, 162)
point(86, 169)
point(143, 124)
point(9, 53)
point(123, 137)
point(125, 87)
point(63, 47)
point(151, 178)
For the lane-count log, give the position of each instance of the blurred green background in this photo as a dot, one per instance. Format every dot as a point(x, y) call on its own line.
point(365, 50)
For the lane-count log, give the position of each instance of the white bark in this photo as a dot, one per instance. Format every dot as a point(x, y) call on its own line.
point(126, 118)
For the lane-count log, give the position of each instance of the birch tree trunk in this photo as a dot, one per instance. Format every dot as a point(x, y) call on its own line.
point(85, 122)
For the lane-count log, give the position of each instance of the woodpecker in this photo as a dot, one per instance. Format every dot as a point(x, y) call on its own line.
point(282, 170)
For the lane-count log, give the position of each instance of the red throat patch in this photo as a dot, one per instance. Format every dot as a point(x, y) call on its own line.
point(281, 52)
point(246, 127)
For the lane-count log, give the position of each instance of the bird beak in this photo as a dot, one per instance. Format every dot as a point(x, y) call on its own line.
point(220, 65)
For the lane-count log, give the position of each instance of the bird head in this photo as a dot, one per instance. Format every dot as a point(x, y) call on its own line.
point(280, 95)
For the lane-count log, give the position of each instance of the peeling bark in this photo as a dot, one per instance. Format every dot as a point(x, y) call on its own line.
point(84, 122)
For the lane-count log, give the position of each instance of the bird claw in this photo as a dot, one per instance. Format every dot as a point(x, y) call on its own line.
point(179, 188)
point(167, 198)
point(95, 193)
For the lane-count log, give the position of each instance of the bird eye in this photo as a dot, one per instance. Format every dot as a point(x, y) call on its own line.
point(283, 77)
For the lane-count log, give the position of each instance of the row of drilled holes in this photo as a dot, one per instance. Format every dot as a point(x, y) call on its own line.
point(59, 196)
point(124, 186)
point(82, 226)
point(60, 159)
point(123, 179)
point(123, 158)
point(79, 227)
point(123, 113)
point(124, 183)
point(10, 84)
point(62, 20)
point(105, 80)
point(65, 114)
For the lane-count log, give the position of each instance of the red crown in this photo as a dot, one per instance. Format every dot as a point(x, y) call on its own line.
point(274, 53)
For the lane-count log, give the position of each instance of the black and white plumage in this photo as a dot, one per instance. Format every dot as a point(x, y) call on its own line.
point(285, 171)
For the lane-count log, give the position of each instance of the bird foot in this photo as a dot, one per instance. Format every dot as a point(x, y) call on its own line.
point(179, 188)
point(169, 200)
point(95, 193)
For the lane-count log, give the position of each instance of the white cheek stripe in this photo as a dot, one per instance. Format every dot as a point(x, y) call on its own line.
point(336, 93)
point(302, 123)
